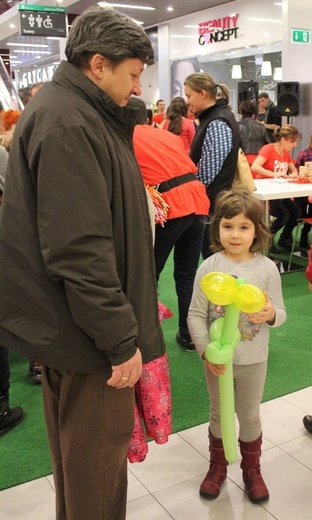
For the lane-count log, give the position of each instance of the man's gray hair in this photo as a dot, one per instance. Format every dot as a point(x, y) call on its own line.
point(105, 31)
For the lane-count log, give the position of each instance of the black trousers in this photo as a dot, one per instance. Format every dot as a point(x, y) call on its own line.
point(4, 371)
point(185, 235)
point(286, 212)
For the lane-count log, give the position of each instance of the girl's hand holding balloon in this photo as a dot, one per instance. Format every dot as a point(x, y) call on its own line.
point(217, 370)
point(267, 313)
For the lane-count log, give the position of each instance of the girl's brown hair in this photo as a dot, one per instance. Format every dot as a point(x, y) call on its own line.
point(176, 110)
point(232, 203)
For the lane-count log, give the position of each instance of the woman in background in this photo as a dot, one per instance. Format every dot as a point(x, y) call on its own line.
point(177, 122)
point(215, 146)
point(274, 161)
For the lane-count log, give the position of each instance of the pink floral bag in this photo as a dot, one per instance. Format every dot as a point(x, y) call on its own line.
point(152, 404)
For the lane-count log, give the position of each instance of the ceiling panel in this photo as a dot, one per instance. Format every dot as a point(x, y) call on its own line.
point(10, 16)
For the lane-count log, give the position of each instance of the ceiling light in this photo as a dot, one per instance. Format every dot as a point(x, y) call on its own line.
point(28, 44)
point(266, 68)
point(169, 8)
point(127, 6)
point(278, 74)
point(31, 52)
point(237, 72)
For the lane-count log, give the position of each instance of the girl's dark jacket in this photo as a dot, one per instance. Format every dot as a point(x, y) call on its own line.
point(78, 289)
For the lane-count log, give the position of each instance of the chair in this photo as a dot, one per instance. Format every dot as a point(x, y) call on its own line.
point(300, 222)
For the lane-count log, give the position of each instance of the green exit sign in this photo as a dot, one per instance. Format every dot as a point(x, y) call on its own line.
point(300, 36)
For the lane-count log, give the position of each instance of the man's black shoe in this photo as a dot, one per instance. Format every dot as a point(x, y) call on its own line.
point(187, 343)
point(307, 422)
point(9, 417)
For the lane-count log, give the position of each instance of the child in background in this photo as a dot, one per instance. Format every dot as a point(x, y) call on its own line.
point(238, 236)
point(307, 420)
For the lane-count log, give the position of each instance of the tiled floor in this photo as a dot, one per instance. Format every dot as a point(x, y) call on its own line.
point(165, 486)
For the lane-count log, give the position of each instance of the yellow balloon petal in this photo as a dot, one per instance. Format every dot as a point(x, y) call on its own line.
point(249, 298)
point(220, 288)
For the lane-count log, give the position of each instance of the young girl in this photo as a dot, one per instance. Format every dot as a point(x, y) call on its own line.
point(238, 236)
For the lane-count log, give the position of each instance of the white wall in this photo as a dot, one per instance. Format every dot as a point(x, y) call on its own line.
point(297, 61)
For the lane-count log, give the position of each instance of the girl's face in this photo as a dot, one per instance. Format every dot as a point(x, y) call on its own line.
point(197, 101)
point(236, 236)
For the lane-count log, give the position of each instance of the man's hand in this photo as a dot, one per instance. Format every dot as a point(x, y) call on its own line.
point(128, 373)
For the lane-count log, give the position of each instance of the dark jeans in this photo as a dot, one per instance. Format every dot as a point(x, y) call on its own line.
point(286, 212)
point(4, 371)
point(185, 235)
point(306, 212)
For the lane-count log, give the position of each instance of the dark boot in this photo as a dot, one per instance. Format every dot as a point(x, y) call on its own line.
point(9, 417)
point(256, 488)
point(210, 486)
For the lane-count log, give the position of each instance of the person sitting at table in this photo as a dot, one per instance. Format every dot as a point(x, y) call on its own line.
point(274, 160)
point(304, 156)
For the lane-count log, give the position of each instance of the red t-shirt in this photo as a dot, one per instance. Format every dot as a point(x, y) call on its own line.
point(273, 160)
point(158, 118)
point(187, 132)
point(161, 156)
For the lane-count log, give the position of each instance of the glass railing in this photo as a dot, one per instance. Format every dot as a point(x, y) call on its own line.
point(9, 95)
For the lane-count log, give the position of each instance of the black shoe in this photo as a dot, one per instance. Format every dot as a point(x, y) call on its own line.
point(9, 417)
point(285, 243)
point(304, 253)
point(35, 371)
point(187, 343)
point(307, 423)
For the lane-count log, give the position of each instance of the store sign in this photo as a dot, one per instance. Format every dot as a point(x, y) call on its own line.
point(36, 75)
point(42, 20)
point(300, 36)
point(218, 30)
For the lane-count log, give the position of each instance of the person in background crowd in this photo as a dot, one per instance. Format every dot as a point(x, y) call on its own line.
point(34, 88)
point(164, 163)
point(177, 122)
point(252, 135)
point(150, 116)
point(238, 237)
point(272, 121)
point(261, 113)
point(304, 156)
point(274, 161)
point(8, 120)
point(161, 112)
point(24, 95)
point(77, 259)
point(215, 145)
point(9, 417)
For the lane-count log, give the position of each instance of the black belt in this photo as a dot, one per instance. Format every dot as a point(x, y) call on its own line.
point(175, 181)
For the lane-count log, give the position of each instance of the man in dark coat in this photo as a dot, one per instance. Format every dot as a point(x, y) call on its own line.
point(77, 275)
